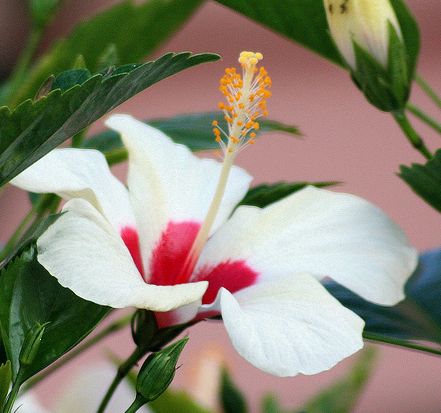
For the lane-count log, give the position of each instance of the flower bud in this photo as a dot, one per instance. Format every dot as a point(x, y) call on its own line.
point(365, 22)
point(144, 327)
point(158, 371)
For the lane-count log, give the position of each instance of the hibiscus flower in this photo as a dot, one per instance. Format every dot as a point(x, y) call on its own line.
point(176, 243)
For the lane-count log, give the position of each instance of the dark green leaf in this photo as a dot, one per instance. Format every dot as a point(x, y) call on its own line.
point(193, 130)
point(175, 401)
point(35, 128)
point(42, 11)
point(133, 30)
point(70, 78)
point(342, 396)
point(418, 317)
point(266, 194)
point(30, 296)
point(5, 380)
point(303, 21)
point(231, 398)
point(425, 180)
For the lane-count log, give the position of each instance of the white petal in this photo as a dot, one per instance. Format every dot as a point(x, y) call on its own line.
point(86, 254)
point(290, 326)
point(84, 393)
point(80, 173)
point(168, 183)
point(323, 233)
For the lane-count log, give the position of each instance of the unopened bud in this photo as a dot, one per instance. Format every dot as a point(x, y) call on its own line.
point(158, 371)
point(365, 22)
point(144, 327)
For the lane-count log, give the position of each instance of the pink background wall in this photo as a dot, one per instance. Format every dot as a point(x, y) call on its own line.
point(345, 140)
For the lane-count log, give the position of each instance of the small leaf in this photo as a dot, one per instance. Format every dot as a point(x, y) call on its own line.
point(415, 319)
point(266, 194)
point(42, 11)
point(231, 398)
point(342, 396)
point(425, 180)
point(29, 296)
point(35, 128)
point(70, 78)
point(134, 30)
point(5, 380)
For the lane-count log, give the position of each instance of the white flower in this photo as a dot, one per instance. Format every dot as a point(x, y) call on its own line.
point(365, 22)
point(174, 243)
point(83, 394)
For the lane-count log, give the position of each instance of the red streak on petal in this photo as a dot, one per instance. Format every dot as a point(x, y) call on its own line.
point(232, 275)
point(131, 240)
point(170, 253)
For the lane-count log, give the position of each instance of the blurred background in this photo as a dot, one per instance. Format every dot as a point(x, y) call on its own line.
point(345, 139)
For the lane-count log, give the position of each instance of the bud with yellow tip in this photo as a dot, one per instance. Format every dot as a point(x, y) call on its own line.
point(378, 40)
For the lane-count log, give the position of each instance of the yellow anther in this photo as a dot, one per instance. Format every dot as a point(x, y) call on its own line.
point(239, 123)
point(256, 125)
point(214, 123)
point(252, 135)
point(221, 105)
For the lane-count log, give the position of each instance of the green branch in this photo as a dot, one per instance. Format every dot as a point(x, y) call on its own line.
point(427, 89)
point(424, 117)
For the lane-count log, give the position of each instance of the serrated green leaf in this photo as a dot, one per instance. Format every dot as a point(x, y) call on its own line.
point(135, 30)
point(303, 21)
point(266, 194)
point(193, 130)
point(5, 381)
point(342, 396)
point(35, 128)
point(30, 296)
point(70, 78)
point(425, 180)
point(231, 398)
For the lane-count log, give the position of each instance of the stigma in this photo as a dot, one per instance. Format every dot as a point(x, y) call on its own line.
point(245, 102)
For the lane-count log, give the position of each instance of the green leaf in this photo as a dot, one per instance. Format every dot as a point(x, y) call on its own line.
point(303, 21)
point(42, 11)
point(193, 130)
point(231, 398)
point(70, 78)
point(266, 194)
point(5, 380)
point(134, 31)
point(342, 396)
point(425, 180)
point(417, 318)
point(35, 128)
point(177, 402)
point(29, 296)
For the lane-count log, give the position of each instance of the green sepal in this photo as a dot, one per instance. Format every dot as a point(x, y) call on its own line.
point(5, 381)
point(231, 398)
point(425, 180)
point(158, 371)
point(144, 327)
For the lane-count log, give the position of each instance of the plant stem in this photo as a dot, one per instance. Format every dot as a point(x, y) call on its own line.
point(122, 372)
point(110, 329)
point(427, 89)
point(23, 64)
point(415, 110)
point(13, 394)
point(136, 405)
point(400, 343)
point(412, 135)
